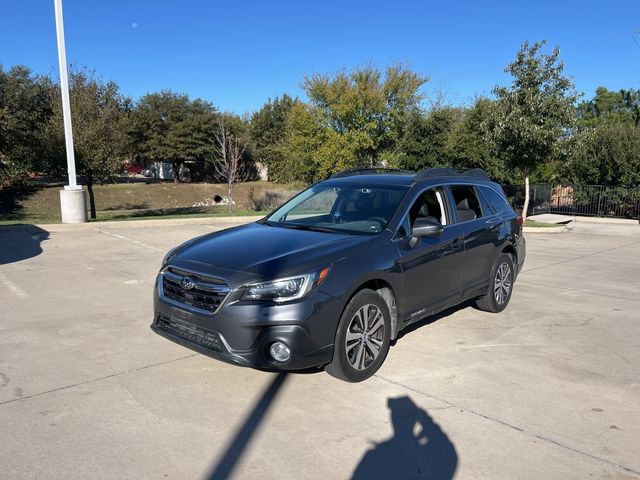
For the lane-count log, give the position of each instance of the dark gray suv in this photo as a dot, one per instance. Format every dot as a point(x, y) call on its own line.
point(333, 275)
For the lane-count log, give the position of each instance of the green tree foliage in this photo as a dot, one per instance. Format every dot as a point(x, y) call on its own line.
point(352, 120)
point(25, 108)
point(607, 154)
point(98, 116)
point(426, 137)
point(268, 128)
point(607, 149)
point(170, 127)
point(300, 147)
point(608, 106)
point(471, 144)
point(536, 113)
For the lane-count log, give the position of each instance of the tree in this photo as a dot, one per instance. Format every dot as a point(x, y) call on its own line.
point(426, 138)
point(228, 159)
point(25, 108)
point(470, 144)
point(536, 113)
point(606, 150)
point(268, 128)
point(98, 113)
point(303, 149)
point(352, 120)
point(170, 127)
point(608, 106)
point(607, 154)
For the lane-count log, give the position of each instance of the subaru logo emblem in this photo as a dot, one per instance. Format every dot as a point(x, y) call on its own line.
point(187, 283)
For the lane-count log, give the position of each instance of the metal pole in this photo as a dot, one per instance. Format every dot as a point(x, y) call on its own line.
point(66, 107)
point(73, 201)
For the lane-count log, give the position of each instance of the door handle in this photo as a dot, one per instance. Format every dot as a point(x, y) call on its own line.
point(457, 244)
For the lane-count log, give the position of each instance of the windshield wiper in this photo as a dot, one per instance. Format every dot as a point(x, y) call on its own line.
point(312, 228)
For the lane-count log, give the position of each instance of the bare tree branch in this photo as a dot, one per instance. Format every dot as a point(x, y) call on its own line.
point(228, 156)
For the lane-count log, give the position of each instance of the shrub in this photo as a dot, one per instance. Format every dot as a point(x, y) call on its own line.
point(269, 199)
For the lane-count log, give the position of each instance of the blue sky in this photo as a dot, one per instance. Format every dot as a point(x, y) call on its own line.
point(239, 53)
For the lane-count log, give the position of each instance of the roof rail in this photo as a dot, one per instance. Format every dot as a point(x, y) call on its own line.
point(434, 172)
point(476, 172)
point(449, 172)
point(364, 171)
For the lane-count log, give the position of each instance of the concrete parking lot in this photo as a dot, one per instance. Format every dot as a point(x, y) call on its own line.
point(548, 389)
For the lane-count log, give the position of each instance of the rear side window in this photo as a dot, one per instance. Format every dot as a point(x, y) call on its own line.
point(496, 202)
point(466, 203)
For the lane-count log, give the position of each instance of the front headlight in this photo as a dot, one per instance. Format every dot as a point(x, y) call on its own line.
point(285, 289)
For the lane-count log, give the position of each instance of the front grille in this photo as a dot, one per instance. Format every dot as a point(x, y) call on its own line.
point(206, 294)
point(191, 332)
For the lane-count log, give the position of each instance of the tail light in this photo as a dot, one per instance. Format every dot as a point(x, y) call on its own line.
point(519, 220)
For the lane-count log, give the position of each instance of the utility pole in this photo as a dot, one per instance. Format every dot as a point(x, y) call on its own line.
point(73, 203)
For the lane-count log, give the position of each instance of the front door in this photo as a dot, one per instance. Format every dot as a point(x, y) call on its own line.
point(431, 266)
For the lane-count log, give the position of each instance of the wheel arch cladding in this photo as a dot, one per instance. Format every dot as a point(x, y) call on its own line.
point(512, 251)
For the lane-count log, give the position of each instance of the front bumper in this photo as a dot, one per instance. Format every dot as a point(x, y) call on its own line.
point(242, 332)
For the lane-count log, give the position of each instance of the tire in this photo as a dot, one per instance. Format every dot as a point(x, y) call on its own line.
point(355, 357)
point(500, 285)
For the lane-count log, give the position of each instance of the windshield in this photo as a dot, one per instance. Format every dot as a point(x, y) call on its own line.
point(345, 209)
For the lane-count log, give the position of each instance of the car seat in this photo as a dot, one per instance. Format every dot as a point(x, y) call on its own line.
point(465, 212)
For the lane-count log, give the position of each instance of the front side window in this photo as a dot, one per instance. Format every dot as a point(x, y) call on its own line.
point(466, 203)
point(343, 209)
point(429, 205)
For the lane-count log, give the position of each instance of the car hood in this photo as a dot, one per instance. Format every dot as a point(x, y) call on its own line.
point(263, 251)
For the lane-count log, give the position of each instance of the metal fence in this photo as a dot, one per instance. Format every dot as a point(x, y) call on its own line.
point(587, 200)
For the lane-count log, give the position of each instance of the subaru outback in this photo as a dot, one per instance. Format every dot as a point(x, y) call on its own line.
point(331, 277)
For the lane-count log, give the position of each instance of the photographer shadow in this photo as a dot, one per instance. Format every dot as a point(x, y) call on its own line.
point(418, 449)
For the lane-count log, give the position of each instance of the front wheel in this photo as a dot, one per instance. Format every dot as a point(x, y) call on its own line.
point(500, 285)
point(362, 339)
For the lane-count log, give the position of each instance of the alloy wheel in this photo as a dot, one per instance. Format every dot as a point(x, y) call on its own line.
point(502, 283)
point(365, 336)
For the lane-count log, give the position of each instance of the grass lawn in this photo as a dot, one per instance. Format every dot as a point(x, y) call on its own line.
point(533, 223)
point(125, 201)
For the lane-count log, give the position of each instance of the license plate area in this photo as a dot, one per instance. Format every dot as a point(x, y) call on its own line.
point(191, 332)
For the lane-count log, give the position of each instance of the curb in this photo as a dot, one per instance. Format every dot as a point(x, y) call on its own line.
point(619, 221)
point(74, 227)
point(558, 229)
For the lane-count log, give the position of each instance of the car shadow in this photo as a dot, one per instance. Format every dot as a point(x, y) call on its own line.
point(432, 319)
point(418, 448)
point(236, 446)
point(20, 242)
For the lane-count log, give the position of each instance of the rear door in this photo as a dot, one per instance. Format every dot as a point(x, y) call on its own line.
point(479, 230)
point(430, 268)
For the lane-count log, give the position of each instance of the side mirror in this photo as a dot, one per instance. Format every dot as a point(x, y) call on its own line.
point(423, 227)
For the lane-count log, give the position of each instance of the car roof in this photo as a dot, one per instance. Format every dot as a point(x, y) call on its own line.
point(405, 179)
point(384, 179)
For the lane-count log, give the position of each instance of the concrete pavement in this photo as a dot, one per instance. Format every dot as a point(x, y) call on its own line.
point(550, 388)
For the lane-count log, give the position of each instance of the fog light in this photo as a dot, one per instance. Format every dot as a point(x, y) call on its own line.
point(280, 352)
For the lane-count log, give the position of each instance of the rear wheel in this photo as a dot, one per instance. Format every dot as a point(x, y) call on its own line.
point(362, 339)
point(500, 285)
